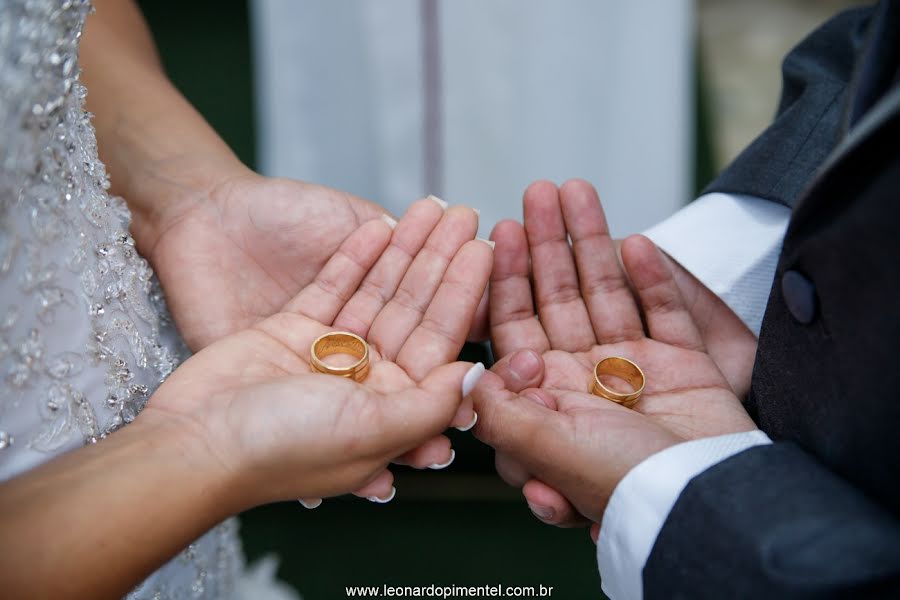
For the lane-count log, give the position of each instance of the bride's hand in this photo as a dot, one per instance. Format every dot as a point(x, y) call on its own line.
point(233, 248)
point(284, 432)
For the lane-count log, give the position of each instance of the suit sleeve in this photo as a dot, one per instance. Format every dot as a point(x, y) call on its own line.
point(772, 522)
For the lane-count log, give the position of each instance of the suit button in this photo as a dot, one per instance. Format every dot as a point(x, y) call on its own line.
point(799, 296)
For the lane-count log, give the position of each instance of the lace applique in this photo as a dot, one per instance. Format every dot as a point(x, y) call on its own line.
point(84, 338)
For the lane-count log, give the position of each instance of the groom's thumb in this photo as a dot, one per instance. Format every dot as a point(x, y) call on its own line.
point(520, 370)
point(420, 413)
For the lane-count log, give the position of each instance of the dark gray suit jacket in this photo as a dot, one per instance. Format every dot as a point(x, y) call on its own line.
point(816, 514)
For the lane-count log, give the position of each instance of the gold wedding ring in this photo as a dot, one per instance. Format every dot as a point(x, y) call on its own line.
point(340, 342)
point(623, 369)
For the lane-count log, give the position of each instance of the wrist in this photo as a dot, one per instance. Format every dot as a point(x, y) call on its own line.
point(161, 155)
point(165, 190)
point(186, 441)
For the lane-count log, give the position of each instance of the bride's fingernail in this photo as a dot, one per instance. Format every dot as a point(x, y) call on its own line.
point(477, 211)
point(439, 466)
point(311, 503)
point(471, 423)
point(470, 380)
point(440, 202)
point(490, 243)
point(391, 221)
point(378, 500)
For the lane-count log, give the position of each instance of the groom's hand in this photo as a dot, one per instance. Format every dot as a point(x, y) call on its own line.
point(598, 297)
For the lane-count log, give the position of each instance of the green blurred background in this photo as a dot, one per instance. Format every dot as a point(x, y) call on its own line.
point(461, 526)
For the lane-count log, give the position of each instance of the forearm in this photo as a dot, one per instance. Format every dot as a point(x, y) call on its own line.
point(95, 522)
point(157, 148)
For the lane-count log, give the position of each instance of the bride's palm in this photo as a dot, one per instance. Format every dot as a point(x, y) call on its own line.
point(242, 249)
point(411, 293)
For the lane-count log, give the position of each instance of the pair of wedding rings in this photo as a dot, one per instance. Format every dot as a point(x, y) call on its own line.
point(344, 342)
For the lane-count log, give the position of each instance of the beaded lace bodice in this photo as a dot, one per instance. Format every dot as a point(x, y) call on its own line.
point(84, 339)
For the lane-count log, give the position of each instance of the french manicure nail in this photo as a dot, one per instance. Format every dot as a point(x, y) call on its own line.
point(439, 466)
point(311, 503)
point(391, 221)
point(490, 243)
point(470, 380)
point(378, 500)
point(477, 211)
point(440, 202)
point(471, 424)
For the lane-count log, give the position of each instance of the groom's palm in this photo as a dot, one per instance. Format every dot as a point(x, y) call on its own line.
point(587, 311)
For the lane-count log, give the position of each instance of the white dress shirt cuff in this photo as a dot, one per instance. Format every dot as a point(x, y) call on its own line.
point(730, 243)
point(641, 503)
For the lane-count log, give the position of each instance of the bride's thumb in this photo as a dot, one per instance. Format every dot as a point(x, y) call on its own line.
point(421, 413)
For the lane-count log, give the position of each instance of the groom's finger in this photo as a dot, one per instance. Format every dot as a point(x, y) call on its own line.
point(512, 424)
point(668, 318)
point(322, 299)
point(551, 507)
point(563, 313)
point(513, 321)
point(605, 290)
point(520, 370)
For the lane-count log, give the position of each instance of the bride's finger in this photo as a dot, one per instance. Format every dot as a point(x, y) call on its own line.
point(435, 454)
point(405, 310)
point(380, 284)
point(440, 334)
point(667, 316)
point(513, 322)
point(333, 286)
point(380, 490)
point(605, 290)
point(563, 313)
point(408, 418)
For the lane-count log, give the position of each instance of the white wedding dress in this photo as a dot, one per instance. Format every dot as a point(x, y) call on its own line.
point(84, 337)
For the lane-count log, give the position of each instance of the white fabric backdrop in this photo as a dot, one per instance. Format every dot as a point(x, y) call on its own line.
point(599, 89)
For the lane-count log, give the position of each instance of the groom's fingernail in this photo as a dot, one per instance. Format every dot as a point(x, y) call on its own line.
point(471, 423)
point(525, 365)
point(391, 221)
point(378, 500)
point(490, 243)
point(440, 202)
point(439, 466)
point(470, 380)
point(311, 503)
point(544, 513)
